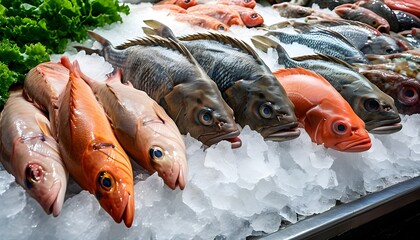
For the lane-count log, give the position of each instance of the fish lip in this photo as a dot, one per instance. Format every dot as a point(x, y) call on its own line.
point(231, 136)
point(355, 146)
point(280, 132)
point(177, 178)
point(126, 215)
point(387, 129)
point(53, 204)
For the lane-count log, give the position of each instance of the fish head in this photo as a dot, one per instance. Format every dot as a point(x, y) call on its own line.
point(111, 180)
point(186, 3)
point(164, 148)
point(376, 108)
point(247, 3)
point(251, 18)
point(336, 127)
point(41, 172)
point(381, 45)
point(264, 106)
point(198, 108)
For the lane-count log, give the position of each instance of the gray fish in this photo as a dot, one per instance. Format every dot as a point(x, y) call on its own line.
point(406, 21)
point(326, 42)
point(169, 74)
point(373, 106)
point(330, 4)
point(246, 82)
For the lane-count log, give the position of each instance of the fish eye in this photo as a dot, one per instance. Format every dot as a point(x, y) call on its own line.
point(156, 153)
point(106, 181)
point(374, 23)
point(205, 116)
point(187, 1)
point(247, 1)
point(266, 110)
point(409, 92)
point(408, 95)
point(390, 50)
point(339, 127)
point(254, 15)
point(371, 105)
point(220, 27)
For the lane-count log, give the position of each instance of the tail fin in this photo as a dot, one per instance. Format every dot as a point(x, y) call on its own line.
point(103, 41)
point(264, 43)
point(158, 28)
point(88, 51)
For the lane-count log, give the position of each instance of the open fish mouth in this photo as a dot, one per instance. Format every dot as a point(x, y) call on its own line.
point(389, 127)
point(232, 137)
point(280, 133)
point(356, 146)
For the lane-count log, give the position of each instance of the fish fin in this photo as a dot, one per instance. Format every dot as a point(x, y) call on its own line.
point(158, 28)
point(115, 76)
point(88, 51)
point(323, 57)
point(225, 39)
point(46, 130)
point(296, 71)
point(103, 41)
point(264, 43)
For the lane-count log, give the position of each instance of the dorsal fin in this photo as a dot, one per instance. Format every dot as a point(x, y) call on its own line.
point(225, 40)
point(162, 42)
point(323, 57)
point(296, 71)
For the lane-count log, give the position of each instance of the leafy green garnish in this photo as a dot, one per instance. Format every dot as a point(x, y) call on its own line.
point(31, 30)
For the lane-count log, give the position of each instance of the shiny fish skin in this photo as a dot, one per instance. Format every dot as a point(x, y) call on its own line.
point(168, 73)
point(90, 150)
point(246, 83)
point(142, 127)
point(373, 106)
point(30, 153)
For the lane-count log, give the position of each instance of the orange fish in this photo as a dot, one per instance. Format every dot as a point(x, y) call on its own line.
point(323, 112)
point(170, 7)
point(243, 3)
point(249, 16)
point(90, 150)
point(182, 3)
point(201, 21)
point(218, 11)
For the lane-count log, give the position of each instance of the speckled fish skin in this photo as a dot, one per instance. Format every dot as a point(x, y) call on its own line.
point(169, 74)
point(324, 113)
point(143, 128)
point(30, 153)
point(246, 83)
point(404, 90)
point(43, 84)
point(91, 152)
point(325, 42)
point(373, 106)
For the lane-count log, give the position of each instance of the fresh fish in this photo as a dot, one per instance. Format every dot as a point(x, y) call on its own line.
point(246, 83)
point(330, 4)
point(90, 150)
point(289, 10)
point(325, 42)
point(406, 21)
point(30, 153)
point(373, 106)
point(43, 84)
point(364, 15)
point(200, 20)
point(250, 17)
point(219, 12)
point(143, 128)
point(324, 113)
point(409, 6)
point(170, 75)
point(243, 3)
point(407, 68)
point(182, 3)
point(404, 90)
point(169, 7)
point(407, 56)
point(380, 8)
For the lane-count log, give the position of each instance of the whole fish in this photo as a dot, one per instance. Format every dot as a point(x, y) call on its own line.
point(170, 75)
point(380, 8)
point(30, 153)
point(182, 3)
point(364, 15)
point(250, 17)
point(43, 84)
point(404, 90)
point(289, 10)
point(246, 83)
point(201, 20)
point(373, 106)
point(243, 3)
point(323, 112)
point(409, 6)
point(219, 12)
point(406, 21)
point(143, 128)
point(326, 42)
point(90, 150)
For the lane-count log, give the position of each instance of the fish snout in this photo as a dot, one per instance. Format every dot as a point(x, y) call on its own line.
point(384, 28)
point(174, 174)
point(51, 199)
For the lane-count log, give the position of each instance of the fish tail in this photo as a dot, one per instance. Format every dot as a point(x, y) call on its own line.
point(264, 43)
point(103, 41)
point(158, 28)
point(88, 51)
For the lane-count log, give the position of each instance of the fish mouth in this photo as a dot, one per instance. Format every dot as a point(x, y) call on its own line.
point(175, 178)
point(128, 214)
point(232, 137)
point(354, 146)
point(280, 133)
point(387, 129)
point(54, 203)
